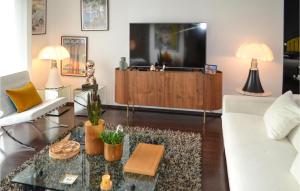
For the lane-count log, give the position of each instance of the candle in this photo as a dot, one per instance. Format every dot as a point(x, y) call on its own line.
point(106, 183)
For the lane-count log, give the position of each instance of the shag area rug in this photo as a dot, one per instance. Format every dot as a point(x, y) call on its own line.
point(179, 170)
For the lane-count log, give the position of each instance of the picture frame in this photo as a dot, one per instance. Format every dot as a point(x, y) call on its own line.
point(211, 69)
point(39, 17)
point(78, 49)
point(94, 15)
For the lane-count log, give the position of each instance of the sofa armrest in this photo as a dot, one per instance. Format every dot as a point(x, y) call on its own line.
point(246, 104)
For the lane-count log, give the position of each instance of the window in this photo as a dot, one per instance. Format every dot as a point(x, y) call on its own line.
point(13, 36)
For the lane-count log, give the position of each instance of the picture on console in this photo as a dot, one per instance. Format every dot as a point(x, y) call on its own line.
point(175, 45)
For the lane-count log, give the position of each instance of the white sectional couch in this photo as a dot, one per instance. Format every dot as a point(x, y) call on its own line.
point(254, 161)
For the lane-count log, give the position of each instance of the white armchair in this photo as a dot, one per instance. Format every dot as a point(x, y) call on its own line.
point(8, 114)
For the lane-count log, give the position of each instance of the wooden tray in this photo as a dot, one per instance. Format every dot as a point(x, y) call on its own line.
point(145, 159)
point(64, 149)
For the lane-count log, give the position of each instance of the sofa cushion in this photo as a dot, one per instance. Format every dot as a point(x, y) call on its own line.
point(24, 97)
point(10, 82)
point(282, 116)
point(295, 169)
point(255, 162)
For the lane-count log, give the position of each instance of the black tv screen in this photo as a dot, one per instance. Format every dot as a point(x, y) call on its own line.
point(175, 45)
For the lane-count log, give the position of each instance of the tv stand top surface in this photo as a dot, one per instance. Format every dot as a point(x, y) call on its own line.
point(166, 70)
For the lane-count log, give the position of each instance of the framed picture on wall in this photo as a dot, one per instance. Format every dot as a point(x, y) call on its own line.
point(94, 15)
point(76, 64)
point(39, 16)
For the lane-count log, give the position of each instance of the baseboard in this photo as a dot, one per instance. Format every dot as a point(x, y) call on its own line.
point(162, 110)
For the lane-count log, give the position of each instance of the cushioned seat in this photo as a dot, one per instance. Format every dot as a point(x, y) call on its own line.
point(254, 162)
point(33, 113)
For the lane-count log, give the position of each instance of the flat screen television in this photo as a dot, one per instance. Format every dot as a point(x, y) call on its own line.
point(175, 45)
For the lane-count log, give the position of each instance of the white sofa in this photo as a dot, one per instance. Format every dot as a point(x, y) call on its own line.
point(254, 161)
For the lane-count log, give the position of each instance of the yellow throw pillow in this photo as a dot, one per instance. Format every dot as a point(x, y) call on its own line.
point(24, 97)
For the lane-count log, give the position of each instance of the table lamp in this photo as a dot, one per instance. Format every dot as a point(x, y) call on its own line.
point(256, 52)
point(55, 54)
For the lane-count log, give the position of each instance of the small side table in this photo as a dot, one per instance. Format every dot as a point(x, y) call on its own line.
point(54, 93)
point(265, 94)
point(80, 100)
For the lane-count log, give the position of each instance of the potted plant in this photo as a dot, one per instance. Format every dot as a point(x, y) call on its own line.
point(94, 126)
point(113, 144)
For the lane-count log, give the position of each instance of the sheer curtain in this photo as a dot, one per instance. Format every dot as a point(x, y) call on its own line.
point(13, 36)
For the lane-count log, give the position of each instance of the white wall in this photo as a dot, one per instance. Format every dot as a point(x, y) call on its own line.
point(230, 23)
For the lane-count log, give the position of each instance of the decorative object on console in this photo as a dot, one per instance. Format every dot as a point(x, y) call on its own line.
point(123, 64)
point(39, 16)
point(76, 65)
point(64, 149)
point(91, 21)
point(113, 144)
point(94, 126)
point(163, 68)
point(54, 53)
point(211, 69)
point(91, 82)
point(152, 67)
point(256, 52)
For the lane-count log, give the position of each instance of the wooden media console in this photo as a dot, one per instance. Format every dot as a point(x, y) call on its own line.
point(173, 89)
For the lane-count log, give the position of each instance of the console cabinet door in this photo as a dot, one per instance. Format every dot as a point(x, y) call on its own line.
point(146, 88)
point(121, 86)
point(184, 90)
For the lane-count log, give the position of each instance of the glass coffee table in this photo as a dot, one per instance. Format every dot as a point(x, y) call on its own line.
point(46, 173)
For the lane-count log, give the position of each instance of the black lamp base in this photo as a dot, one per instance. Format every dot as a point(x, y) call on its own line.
point(253, 84)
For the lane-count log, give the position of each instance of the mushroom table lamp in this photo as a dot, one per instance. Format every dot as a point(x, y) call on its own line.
point(55, 54)
point(256, 52)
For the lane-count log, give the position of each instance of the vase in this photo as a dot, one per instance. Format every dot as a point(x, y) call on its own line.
point(93, 144)
point(123, 64)
point(113, 152)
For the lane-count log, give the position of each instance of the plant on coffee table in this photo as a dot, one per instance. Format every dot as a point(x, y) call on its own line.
point(94, 126)
point(113, 144)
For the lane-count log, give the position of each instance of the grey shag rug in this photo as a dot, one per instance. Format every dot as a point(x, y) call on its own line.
point(180, 169)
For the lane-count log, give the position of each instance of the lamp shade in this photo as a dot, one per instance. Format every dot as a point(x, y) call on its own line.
point(54, 53)
point(258, 51)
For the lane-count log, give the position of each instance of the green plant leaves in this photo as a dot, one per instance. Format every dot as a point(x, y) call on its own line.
point(111, 137)
point(94, 107)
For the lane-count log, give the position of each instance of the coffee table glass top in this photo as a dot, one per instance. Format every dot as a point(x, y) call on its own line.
point(46, 173)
